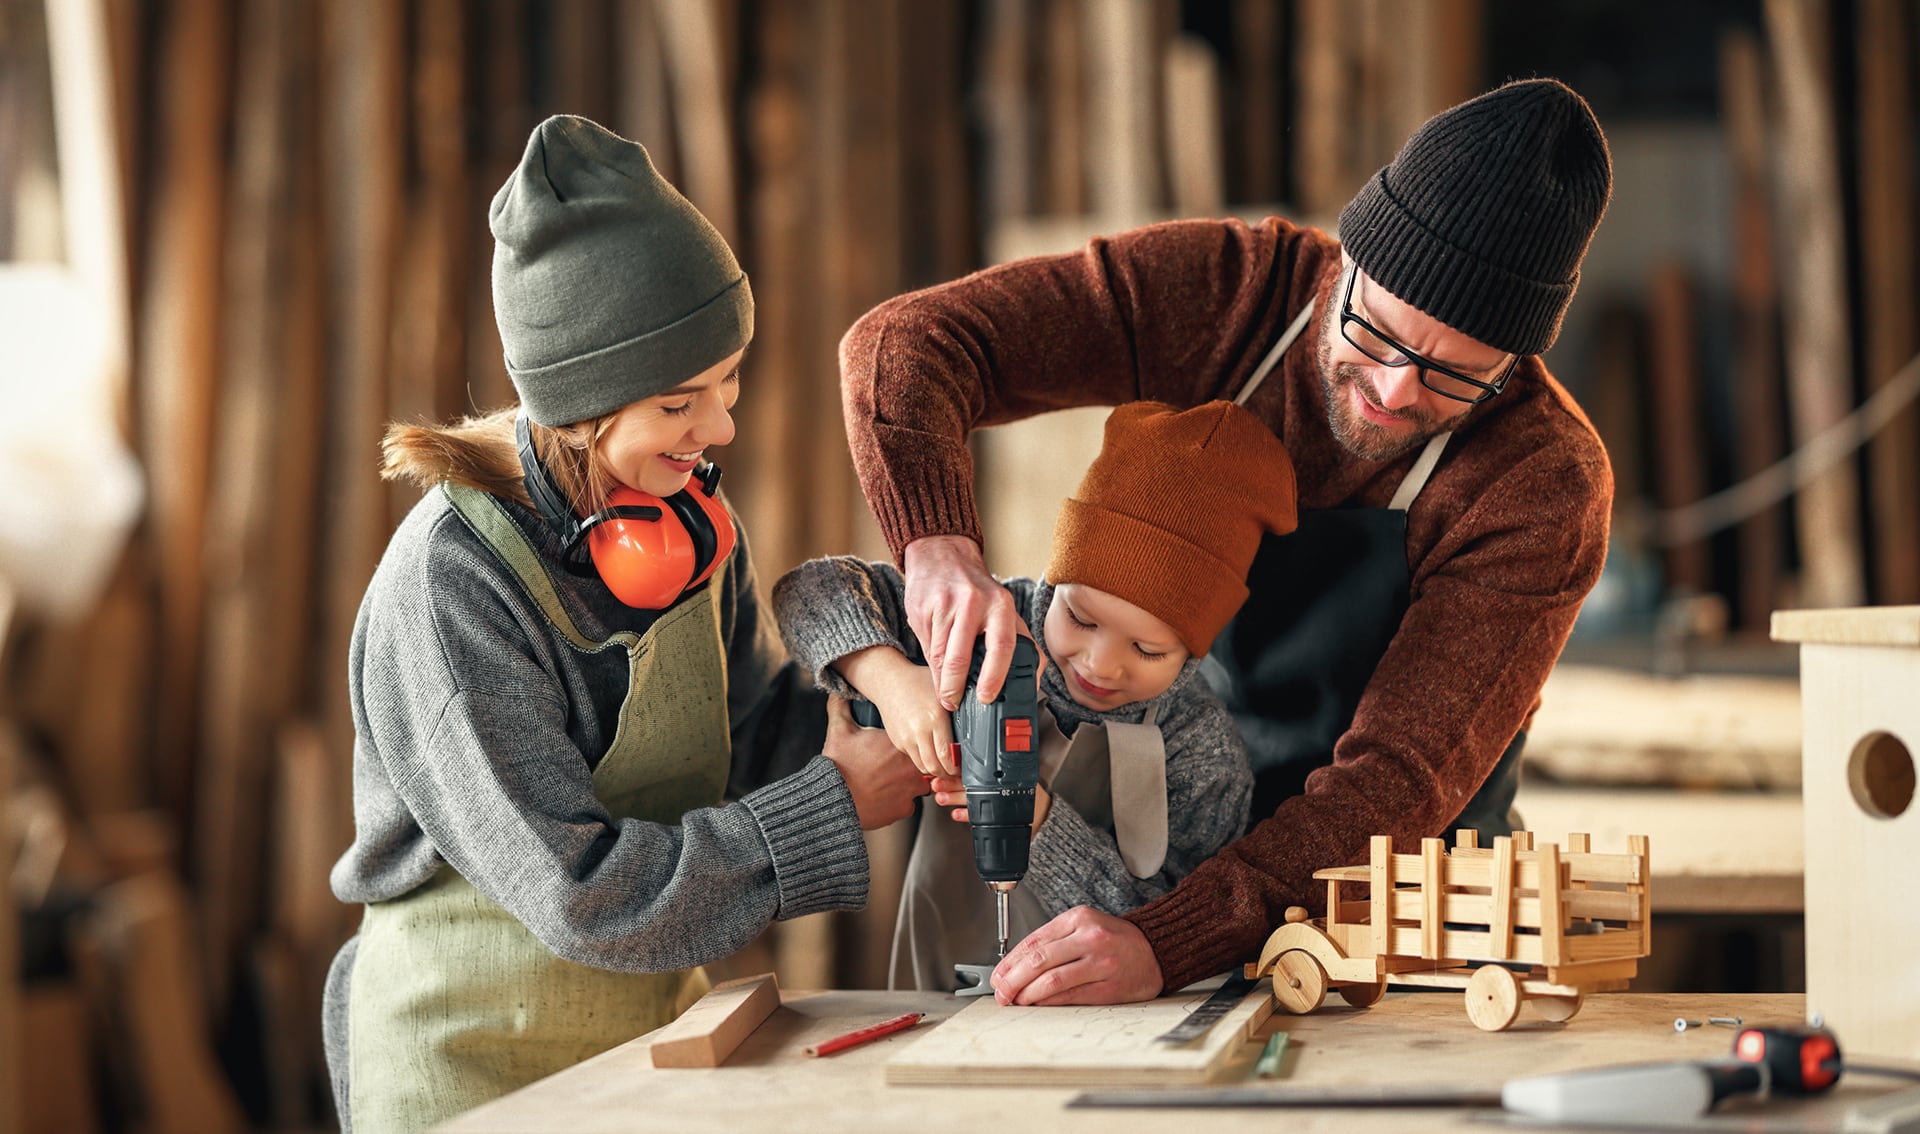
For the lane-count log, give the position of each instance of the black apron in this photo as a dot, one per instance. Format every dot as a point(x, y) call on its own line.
point(1326, 600)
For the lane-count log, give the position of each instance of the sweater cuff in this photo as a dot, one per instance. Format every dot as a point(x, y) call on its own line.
point(813, 832)
point(1187, 934)
point(925, 489)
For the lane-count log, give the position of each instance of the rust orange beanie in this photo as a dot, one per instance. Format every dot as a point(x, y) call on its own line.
point(1171, 512)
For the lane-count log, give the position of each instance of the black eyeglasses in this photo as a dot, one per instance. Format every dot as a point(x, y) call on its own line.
point(1443, 380)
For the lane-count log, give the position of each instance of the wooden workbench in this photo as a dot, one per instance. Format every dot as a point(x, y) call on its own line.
point(768, 1085)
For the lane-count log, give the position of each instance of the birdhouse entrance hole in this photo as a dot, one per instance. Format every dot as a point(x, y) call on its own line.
point(1880, 772)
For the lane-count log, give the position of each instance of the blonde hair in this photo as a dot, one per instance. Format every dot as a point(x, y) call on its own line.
point(480, 452)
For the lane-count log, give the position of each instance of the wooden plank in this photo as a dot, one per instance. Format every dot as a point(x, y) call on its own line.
point(502, 89)
point(690, 33)
point(11, 1032)
point(1859, 626)
point(707, 1033)
point(1006, 108)
point(1599, 726)
point(1259, 47)
point(1553, 917)
point(1679, 437)
point(365, 117)
point(1123, 171)
point(1431, 896)
point(1472, 870)
point(1819, 346)
point(1500, 925)
point(1525, 911)
point(1112, 1045)
point(1196, 170)
point(1889, 291)
point(1064, 122)
point(1380, 892)
point(1466, 945)
point(180, 358)
point(148, 929)
point(1324, 178)
point(1757, 396)
point(1638, 845)
point(235, 711)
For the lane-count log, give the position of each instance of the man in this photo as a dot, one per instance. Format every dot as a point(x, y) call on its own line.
point(1453, 499)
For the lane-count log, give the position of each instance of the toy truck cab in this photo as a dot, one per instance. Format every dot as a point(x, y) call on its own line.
point(1573, 922)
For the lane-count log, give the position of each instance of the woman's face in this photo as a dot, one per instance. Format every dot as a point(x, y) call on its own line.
point(654, 444)
point(1110, 652)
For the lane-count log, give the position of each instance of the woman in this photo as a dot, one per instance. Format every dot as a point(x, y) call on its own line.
point(562, 667)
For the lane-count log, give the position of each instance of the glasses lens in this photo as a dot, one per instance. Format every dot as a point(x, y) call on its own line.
point(1370, 344)
point(1441, 382)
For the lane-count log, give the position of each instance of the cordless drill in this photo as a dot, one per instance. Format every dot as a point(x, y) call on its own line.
point(998, 749)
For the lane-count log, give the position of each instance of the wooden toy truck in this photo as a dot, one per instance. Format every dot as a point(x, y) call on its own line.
point(1429, 916)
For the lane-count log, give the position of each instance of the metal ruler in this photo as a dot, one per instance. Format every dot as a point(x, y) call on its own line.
point(1223, 1000)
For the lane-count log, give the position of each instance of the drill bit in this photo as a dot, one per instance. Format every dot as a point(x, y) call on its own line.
point(1002, 891)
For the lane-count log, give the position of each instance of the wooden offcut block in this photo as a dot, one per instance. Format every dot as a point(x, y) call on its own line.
point(1859, 669)
point(718, 1022)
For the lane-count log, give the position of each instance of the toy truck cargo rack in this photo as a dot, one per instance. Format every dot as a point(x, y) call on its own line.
point(1584, 931)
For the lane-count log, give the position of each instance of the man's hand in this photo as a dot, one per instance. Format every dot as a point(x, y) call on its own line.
point(883, 782)
point(951, 602)
point(1081, 957)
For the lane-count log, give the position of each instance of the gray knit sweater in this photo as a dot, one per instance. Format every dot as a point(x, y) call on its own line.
point(830, 608)
point(477, 730)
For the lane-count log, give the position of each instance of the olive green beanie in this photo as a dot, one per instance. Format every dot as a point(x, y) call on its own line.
point(608, 285)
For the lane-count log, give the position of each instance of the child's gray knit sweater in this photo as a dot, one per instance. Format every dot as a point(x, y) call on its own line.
point(830, 608)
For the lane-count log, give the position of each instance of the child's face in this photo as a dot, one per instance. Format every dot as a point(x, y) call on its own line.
point(654, 444)
point(1110, 652)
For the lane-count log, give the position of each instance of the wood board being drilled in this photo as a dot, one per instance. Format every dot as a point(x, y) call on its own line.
point(989, 1045)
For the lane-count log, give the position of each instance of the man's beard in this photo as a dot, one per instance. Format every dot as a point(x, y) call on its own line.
point(1356, 434)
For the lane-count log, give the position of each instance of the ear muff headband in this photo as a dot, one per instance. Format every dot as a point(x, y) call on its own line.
point(646, 559)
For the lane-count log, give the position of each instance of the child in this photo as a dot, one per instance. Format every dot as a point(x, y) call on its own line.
point(550, 710)
point(1145, 776)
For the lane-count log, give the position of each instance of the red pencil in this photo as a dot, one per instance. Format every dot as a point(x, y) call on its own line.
point(872, 1032)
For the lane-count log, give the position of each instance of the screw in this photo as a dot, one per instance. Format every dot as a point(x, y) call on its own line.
point(1681, 1024)
point(1729, 1021)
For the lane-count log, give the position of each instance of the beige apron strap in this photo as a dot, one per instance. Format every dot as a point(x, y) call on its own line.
point(1273, 356)
point(492, 524)
point(1053, 747)
point(1416, 478)
point(1138, 754)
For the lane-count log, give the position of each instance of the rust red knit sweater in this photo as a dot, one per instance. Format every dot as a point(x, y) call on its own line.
point(1505, 541)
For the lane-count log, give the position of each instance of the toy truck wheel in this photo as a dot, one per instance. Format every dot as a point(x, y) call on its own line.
point(1363, 995)
point(1493, 998)
point(1299, 982)
point(1558, 1008)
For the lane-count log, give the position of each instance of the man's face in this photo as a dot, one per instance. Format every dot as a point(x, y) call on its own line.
point(1380, 412)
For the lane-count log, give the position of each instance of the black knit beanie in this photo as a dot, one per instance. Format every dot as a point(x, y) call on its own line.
point(608, 285)
point(1482, 218)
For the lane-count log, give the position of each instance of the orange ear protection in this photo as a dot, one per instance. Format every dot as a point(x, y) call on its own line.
point(649, 551)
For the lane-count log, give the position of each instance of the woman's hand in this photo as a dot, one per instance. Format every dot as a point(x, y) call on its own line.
point(1081, 957)
point(883, 782)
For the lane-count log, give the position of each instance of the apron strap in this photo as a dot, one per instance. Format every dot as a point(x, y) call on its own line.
point(1416, 478)
point(1273, 356)
point(497, 530)
point(1137, 755)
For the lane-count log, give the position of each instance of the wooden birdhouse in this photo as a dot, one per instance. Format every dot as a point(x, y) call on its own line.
point(1860, 707)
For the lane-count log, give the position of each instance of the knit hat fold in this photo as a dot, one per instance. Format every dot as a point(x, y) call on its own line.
point(1483, 217)
point(1171, 512)
point(608, 285)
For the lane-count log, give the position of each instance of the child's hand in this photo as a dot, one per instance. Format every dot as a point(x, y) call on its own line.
point(908, 703)
point(882, 782)
point(951, 792)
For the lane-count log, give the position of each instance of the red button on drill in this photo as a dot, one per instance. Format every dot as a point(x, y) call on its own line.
point(1019, 734)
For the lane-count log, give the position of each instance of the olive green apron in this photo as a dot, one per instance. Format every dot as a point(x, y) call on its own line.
point(454, 1001)
point(1114, 775)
